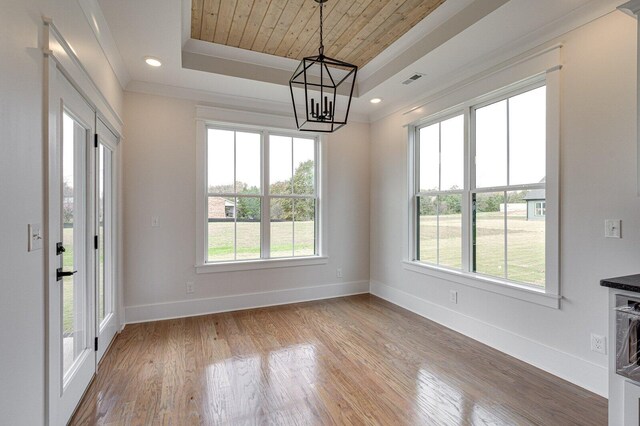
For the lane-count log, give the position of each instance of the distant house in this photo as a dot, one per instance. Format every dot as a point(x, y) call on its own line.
point(221, 208)
point(536, 204)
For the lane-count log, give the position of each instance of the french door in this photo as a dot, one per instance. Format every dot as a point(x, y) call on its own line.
point(105, 189)
point(80, 289)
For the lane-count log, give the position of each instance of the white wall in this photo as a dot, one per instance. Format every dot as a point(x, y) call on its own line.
point(160, 180)
point(598, 182)
point(22, 305)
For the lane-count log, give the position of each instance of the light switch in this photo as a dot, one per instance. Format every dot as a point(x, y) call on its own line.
point(35, 236)
point(612, 228)
point(155, 221)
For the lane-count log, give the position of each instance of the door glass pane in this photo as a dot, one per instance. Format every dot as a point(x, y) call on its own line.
point(489, 234)
point(73, 233)
point(526, 236)
point(248, 228)
point(491, 145)
point(450, 230)
point(280, 165)
point(428, 229)
point(248, 163)
point(281, 227)
point(452, 153)
point(221, 228)
point(527, 137)
point(430, 158)
point(304, 227)
point(105, 220)
point(101, 253)
point(220, 161)
point(303, 166)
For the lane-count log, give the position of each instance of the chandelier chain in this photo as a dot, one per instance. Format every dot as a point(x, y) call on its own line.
point(321, 35)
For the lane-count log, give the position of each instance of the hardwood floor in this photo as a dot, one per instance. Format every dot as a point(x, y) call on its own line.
point(354, 360)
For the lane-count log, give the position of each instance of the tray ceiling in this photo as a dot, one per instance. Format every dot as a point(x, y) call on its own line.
point(355, 31)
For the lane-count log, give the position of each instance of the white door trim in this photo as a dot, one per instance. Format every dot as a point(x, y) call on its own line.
point(60, 58)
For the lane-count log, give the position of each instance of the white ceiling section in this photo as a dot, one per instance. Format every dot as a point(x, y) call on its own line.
point(459, 39)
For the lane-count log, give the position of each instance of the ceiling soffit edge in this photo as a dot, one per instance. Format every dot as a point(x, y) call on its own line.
point(221, 100)
point(435, 30)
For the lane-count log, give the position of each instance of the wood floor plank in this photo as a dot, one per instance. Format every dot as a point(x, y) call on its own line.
point(353, 360)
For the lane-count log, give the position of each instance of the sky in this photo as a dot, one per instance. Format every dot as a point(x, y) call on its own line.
point(527, 145)
point(67, 149)
point(283, 158)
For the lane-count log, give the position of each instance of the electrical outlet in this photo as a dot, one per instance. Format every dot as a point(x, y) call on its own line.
point(612, 228)
point(339, 273)
point(155, 221)
point(453, 296)
point(598, 344)
point(190, 287)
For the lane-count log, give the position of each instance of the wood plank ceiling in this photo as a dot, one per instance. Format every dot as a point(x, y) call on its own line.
point(355, 31)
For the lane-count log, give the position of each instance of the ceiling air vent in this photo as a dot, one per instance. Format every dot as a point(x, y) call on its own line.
point(413, 78)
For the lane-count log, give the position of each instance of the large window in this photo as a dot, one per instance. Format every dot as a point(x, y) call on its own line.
point(440, 150)
point(262, 198)
point(479, 188)
point(510, 144)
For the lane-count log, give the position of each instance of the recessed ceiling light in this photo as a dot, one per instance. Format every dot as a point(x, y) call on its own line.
point(154, 62)
point(375, 100)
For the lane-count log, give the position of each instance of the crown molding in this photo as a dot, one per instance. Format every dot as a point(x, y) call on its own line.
point(223, 101)
point(100, 27)
point(55, 47)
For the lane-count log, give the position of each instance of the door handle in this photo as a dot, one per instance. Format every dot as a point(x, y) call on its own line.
point(60, 273)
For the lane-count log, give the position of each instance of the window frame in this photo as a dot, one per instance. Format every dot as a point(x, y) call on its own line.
point(550, 295)
point(203, 265)
point(438, 119)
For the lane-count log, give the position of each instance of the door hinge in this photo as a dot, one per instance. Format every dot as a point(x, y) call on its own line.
point(95, 140)
point(95, 242)
point(95, 344)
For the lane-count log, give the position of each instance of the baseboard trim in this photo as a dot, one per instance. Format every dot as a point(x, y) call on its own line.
point(195, 307)
point(576, 370)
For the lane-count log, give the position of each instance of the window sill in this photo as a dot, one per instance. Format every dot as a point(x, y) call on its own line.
point(247, 265)
point(502, 287)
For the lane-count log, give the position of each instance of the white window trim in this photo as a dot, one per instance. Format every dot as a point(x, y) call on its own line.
point(550, 296)
point(209, 117)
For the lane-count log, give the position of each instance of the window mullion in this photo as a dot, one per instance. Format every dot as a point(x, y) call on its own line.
point(505, 234)
point(265, 212)
point(235, 199)
point(293, 206)
point(506, 202)
point(415, 203)
point(439, 197)
point(468, 151)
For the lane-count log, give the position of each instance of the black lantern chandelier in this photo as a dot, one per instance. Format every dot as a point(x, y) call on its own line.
point(326, 82)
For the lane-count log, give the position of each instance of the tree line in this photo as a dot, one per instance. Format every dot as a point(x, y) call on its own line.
point(451, 203)
point(284, 209)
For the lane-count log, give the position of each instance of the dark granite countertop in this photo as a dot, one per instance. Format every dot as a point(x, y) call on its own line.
point(628, 283)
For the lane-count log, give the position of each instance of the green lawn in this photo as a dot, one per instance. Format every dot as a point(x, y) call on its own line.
point(67, 282)
point(525, 245)
point(221, 245)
